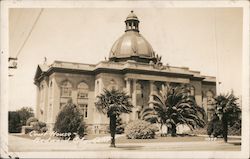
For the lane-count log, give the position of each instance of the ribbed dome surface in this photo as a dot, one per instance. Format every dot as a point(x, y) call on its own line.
point(131, 44)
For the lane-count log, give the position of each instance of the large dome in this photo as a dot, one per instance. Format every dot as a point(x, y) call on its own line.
point(132, 45)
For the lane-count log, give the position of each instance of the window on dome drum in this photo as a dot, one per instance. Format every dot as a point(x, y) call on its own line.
point(84, 110)
point(66, 89)
point(82, 90)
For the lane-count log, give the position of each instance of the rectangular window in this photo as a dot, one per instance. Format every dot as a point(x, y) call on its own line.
point(84, 110)
point(82, 95)
point(66, 92)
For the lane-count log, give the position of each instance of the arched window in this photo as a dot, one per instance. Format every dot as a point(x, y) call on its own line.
point(84, 110)
point(66, 89)
point(82, 90)
point(82, 95)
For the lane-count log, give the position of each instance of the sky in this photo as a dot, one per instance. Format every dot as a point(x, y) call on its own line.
point(208, 40)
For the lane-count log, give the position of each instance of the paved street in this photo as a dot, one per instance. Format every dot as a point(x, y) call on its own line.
point(19, 144)
point(28, 148)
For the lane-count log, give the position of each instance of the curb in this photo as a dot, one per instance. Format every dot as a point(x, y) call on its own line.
point(227, 136)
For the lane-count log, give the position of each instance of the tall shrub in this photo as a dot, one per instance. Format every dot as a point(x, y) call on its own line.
point(25, 113)
point(18, 118)
point(30, 120)
point(14, 122)
point(70, 120)
point(140, 129)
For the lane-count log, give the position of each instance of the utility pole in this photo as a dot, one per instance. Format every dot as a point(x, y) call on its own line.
point(12, 64)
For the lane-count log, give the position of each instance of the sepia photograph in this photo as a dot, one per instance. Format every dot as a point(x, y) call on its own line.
point(123, 79)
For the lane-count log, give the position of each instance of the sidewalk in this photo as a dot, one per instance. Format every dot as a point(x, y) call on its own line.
point(236, 137)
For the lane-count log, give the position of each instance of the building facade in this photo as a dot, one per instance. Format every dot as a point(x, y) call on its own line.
point(132, 67)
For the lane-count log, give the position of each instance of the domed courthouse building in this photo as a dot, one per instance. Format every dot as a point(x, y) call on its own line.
point(132, 67)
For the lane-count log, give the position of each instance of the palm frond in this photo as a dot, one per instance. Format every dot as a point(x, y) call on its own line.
point(174, 106)
point(113, 102)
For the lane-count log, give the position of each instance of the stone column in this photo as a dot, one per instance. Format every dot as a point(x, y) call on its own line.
point(128, 90)
point(134, 100)
point(151, 89)
point(97, 117)
point(56, 99)
point(74, 95)
point(50, 105)
point(101, 116)
point(46, 98)
point(37, 115)
point(128, 86)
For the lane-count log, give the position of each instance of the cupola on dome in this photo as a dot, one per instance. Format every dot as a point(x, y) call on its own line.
point(132, 16)
point(132, 45)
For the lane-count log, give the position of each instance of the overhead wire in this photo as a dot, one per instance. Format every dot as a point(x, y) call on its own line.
point(17, 21)
point(32, 28)
point(216, 54)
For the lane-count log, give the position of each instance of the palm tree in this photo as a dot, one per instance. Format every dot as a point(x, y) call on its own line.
point(173, 106)
point(227, 110)
point(113, 103)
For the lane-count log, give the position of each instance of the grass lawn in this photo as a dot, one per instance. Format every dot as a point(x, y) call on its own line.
point(87, 137)
point(27, 136)
point(124, 139)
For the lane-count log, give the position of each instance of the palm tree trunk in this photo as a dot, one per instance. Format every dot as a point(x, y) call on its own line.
point(173, 131)
point(225, 127)
point(164, 130)
point(112, 126)
point(160, 129)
